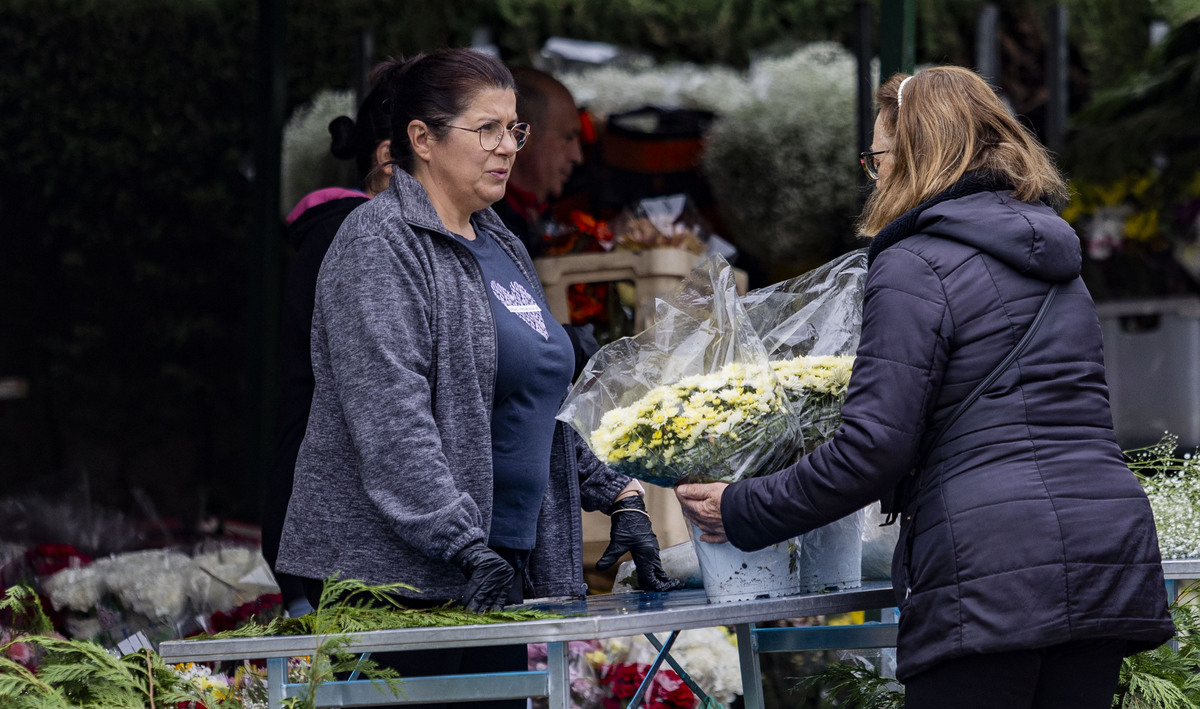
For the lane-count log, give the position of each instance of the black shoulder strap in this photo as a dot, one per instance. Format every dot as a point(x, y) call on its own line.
point(1004, 364)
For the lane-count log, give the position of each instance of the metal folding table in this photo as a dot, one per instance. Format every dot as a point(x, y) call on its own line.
point(594, 617)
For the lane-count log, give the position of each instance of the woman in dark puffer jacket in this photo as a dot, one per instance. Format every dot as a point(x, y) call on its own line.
point(1028, 563)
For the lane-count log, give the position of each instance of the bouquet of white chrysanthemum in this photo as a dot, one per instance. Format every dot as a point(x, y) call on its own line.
point(703, 426)
point(691, 399)
point(816, 386)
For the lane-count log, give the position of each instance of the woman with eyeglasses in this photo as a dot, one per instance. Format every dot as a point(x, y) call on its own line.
point(1028, 563)
point(432, 456)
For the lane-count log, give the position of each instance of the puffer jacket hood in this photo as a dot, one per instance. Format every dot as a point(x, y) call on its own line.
point(1029, 238)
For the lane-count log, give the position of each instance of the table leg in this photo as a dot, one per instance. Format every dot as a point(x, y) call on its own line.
point(752, 692)
point(559, 679)
point(276, 677)
point(644, 688)
point(683, 675)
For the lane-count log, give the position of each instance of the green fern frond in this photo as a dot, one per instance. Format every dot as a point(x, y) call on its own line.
point(76, 674)
point(854, 687)
point(350, 606)
point(28, 617)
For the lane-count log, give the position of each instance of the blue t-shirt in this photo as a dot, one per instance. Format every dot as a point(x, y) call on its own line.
point(534, 362)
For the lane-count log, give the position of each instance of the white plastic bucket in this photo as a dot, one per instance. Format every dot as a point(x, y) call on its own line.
point(831, 556)
point(731, 574)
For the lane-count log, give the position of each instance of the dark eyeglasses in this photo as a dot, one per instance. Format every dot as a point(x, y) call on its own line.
point(870, 163)
point(491, 135)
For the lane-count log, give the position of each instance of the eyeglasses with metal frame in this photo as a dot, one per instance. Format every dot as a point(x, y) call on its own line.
point(491, 134)
point(870, 163)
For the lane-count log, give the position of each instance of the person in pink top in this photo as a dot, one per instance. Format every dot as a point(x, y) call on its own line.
point(311, 226)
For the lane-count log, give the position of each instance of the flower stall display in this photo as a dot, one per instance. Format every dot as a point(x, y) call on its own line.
point(158, 592)
point(605, 674)
point(703, 427)
point(659, 239)
point(780, 155)
point(1172, 482)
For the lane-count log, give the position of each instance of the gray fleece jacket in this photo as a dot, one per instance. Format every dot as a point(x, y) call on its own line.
point(395, 472)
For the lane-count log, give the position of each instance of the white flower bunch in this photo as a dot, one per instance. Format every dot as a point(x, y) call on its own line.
point(146, 582)
point(783, 164)
point(703, 427)
point(816, 385)
point(814, 375)
point(162, 585)
point(1173, 486)
point(149, 582)
point(306, 163)
point(77, 589)
point(708, 655)
point(609, 89)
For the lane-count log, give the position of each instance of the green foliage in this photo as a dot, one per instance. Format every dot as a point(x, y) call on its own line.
point(82, 675)
point(28, 616)
point(854, 687)
point(1148, 122)
point(351, 606)
point(1165, 677)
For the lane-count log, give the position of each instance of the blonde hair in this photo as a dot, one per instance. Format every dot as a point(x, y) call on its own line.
point(952, 123)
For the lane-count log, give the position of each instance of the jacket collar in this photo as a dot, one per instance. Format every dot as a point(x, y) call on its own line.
point(904, 225)
point(418, 211)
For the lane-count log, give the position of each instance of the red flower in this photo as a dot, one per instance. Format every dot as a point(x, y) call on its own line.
point(587, 301)
point(669, 692)
point(625, 679)
point(47, 559)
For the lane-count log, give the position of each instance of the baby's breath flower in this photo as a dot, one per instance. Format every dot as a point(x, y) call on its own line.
point(1173, 486)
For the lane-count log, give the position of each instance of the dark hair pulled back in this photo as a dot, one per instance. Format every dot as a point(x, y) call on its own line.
point(358, 138)
point(435, 88)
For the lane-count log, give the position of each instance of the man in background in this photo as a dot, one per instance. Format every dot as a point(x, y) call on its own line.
point(547, 160)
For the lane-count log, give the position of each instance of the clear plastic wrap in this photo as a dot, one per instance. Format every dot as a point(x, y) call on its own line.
point(810, 326)
point(662, 222)
point(692, 398)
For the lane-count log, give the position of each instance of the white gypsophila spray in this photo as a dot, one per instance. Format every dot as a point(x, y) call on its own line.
point(1172, 483)
point(306, 163)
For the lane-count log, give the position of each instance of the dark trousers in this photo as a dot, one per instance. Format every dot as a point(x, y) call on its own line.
point(1075, 675)
point(455, 660)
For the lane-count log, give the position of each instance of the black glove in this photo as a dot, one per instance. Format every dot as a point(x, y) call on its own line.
point(631, 532)
point(489, 577)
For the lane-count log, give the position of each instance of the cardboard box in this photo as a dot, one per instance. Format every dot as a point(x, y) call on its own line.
point(654, 273)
